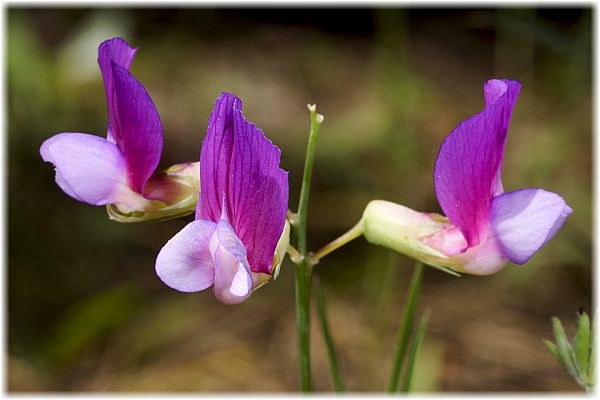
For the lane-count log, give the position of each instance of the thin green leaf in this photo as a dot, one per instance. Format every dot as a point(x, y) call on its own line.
point(592, 367)
point(414, 351)
point(336, 374)
point(406, 326)
point(552, 348)
point(564, 348)
point(581, 343)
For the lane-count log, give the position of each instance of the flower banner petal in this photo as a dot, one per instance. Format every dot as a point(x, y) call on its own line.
point(524, 220)
point(493, 90)
point(258, 193)
point(118, 51)
point(233, 281)
point(88, 168)
point(215, 158)
point(139, 127)
point(467, 170)
point(185, 262)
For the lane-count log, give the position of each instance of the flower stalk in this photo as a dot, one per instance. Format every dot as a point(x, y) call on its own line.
point(352, 234)
point(304, 267)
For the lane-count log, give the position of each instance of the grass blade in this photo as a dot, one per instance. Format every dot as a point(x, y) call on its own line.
point(405, 329)
point(414, 351)
point(334, 366)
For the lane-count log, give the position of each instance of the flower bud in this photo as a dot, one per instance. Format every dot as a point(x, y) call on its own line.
point(429, 238)
point(402, 229)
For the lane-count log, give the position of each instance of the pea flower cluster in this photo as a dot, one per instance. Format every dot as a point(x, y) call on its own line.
point(240, 233)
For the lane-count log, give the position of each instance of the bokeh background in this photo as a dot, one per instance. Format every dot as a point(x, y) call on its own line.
point(85, 309)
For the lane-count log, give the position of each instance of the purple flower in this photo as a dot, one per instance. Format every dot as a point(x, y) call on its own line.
point(241, 214)
point(485, 226)
point(119, 170)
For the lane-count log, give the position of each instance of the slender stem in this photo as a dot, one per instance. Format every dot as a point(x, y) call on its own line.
point(404, 330)
point(352, 234)
point(303, 284)
point(315, 123)
point(304, 267)
point(336, 374)
point(414, 351)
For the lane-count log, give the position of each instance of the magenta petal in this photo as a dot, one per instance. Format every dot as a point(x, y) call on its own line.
point(215, 158)
point(233, 281)
point(467, 170)
point(493, 91)
point(138, 129)
point(258, 193)
point(118, 51)
point(524, 220)
point(239, 163)
point(88, 168)
point(185, 262)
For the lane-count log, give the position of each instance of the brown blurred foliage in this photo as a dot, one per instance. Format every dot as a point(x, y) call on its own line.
point(85, 309)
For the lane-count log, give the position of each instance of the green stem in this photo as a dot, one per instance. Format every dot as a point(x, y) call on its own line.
point(300, 225)
point(304, 267)
point(303, 283)
point(405, 329)
point(336, 374)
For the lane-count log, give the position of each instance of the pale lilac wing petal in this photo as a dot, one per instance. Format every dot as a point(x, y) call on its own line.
point(258, 193)
point(185, 262)
point(233, 281)
point(524, 220)
point(139, 127)
point(215, 158)
point(467, 170)
point(118, 51)
point(88, 168)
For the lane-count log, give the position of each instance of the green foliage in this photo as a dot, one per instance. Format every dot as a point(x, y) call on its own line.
point(576, 356)
point(87, 323)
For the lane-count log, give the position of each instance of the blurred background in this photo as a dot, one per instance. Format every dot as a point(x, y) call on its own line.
point(85, 309)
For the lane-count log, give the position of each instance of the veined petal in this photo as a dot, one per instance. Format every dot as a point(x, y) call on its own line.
point(215, 158)
point(88, 168)
point(185, 262)
point(524, 220)
point(138, 129)
point(113, 50)
point(240, 163)
point(233, 281)
point(467, 170)
point(258, 193)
